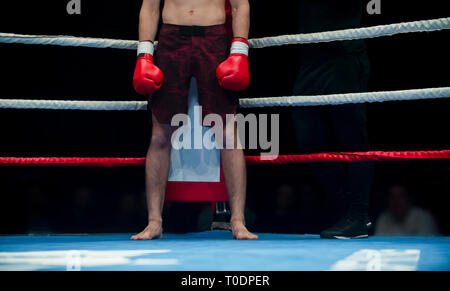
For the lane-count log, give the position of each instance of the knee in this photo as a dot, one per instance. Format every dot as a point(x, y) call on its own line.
point(230, 139)
point(161, 141)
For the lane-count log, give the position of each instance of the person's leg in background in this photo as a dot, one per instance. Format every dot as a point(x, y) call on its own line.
point(349, 127)
point(313, 135)
point(345, 184)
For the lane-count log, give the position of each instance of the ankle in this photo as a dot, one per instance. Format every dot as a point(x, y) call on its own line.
point(155, 220)
point(237, 221)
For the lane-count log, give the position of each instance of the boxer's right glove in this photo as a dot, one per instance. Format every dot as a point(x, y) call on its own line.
point(147, 76)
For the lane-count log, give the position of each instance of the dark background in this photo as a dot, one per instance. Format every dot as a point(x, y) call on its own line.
point(112, 199)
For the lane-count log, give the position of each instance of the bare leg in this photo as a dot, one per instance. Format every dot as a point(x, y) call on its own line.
point(234, 170)
point(156, 172)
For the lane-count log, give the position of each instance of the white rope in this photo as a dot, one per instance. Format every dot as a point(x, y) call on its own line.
point(347, 34)
point(73, 105)
point(63, 40)
point(338, 99)
point(351, 34)
point(334, 99)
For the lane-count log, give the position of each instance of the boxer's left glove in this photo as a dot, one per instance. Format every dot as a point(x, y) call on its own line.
point(233, 73)
point(147, 76)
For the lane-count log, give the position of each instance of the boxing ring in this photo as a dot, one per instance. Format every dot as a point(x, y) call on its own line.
point(214, 250)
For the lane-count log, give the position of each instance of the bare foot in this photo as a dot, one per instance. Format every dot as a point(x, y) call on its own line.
point(152, 231)
point(240, 231)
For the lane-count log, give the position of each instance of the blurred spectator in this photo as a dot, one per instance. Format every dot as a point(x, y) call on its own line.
point(284, 217)
point(402, 218)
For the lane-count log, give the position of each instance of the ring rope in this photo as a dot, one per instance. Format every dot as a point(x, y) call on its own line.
point(313, 100)
point(252, 160)
point(327, 36)
point(338, 99)
point(352, 34)
point(376, 156)
point(68, 40)
point(73, 105)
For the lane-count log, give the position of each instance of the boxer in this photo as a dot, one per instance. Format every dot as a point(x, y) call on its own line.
point(193, 42)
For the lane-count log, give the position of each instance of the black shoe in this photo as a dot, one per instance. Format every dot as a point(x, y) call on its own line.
point(347, 228)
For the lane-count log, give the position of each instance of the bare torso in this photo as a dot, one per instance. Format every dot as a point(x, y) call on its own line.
point(194, 12)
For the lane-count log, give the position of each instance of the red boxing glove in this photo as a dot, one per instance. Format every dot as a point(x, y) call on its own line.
point(147, 77)
point(233, 73)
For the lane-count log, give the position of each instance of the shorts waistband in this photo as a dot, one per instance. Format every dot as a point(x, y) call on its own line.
point(193, 30)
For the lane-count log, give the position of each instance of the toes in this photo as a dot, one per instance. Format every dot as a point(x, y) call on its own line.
point(247, 236)
point(146, 236)
point(138, 237)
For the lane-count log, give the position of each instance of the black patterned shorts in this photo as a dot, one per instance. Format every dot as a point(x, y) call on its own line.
point(184, 52)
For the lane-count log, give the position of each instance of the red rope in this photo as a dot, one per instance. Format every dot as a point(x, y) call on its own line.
point(378, 156)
